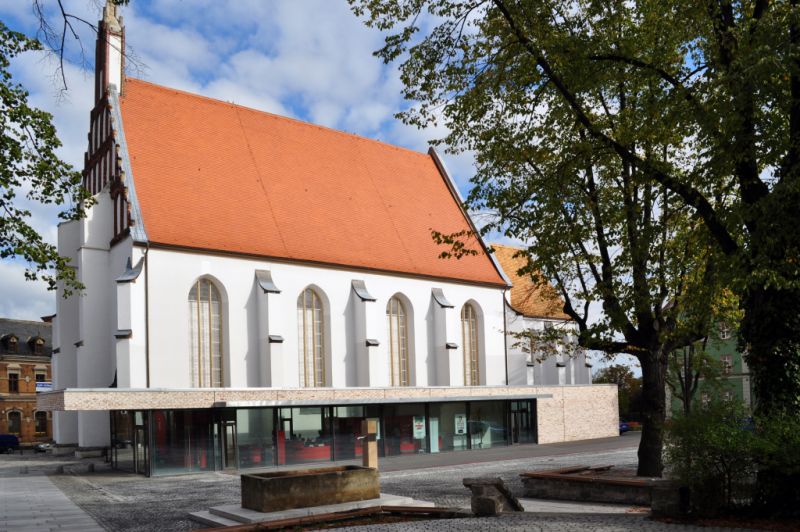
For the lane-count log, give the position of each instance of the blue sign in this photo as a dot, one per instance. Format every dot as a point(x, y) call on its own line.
point(44, 386)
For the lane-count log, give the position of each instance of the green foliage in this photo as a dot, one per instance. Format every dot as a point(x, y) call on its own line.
point(687, 367)
point(711, 451)
point(29, 166)
point(730, 463)
point(629, 386)
point(647, 152)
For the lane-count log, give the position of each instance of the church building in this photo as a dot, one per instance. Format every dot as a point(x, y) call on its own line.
point(256, 285)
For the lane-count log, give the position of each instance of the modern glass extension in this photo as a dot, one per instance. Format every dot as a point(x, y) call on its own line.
point(168, 442)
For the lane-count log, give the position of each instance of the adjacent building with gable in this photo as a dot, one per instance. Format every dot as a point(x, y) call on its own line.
point(541, 338)
point(257, 285)
point(25, 352)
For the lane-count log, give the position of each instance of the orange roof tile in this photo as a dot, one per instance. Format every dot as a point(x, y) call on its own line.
point(216, 176)
point(527, 297)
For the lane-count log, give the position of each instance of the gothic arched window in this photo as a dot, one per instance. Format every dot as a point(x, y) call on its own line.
point(311, 339)
point(397, 324)
point(205, 316)
point(469, 341)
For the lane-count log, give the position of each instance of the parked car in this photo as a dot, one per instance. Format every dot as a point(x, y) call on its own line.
point(623, 427)
point(42, 447)
point(8, 443)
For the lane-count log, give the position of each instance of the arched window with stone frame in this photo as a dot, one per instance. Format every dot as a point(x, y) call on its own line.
point(469, 343)
point(14, 422)
point(206, 325)
point(313, 371)
point(397, 331)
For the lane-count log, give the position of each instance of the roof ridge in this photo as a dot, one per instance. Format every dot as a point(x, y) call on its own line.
point(493, 244)
point(276, 115)
point(37, 322)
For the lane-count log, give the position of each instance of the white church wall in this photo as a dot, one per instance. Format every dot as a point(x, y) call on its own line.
point(524, 371)
point(173, 272)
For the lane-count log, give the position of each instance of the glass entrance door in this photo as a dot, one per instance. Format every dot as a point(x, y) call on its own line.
point(228, 445)
point(522, 429)
point(140, 450)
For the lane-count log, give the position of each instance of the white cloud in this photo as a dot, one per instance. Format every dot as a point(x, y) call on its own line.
point(20, 299)
point(311, 60)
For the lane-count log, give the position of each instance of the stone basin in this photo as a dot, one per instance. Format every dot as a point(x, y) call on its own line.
point(284, 490)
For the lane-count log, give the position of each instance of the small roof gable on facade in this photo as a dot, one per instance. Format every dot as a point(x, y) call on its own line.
point(528, 298)
point(214, 176)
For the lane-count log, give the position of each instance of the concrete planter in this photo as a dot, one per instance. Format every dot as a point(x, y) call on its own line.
point(284, 490)
point(573, 484)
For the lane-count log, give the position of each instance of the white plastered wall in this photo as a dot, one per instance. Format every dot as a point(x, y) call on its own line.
point(250, 363)
point(546, 372)
point(87, 321)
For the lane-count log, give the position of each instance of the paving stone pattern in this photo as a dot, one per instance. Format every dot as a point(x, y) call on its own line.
point(32, 503)
point(131, 503)
point(527, 522)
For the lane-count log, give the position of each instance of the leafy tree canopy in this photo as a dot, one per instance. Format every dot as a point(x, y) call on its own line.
point(648, 152)
point(31, 169)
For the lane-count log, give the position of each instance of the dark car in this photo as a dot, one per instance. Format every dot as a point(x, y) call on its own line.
point(623, 427)
point(8, 443)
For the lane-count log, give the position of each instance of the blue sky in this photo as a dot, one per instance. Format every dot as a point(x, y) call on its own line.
point(309, 59)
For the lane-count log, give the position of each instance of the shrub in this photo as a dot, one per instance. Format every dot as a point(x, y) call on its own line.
point(777, 458)
point(711, 452)
point(731, 463)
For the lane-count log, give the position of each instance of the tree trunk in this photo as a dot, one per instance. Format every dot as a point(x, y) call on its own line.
point(654, 370)
point(770, 328)
point(770, 333)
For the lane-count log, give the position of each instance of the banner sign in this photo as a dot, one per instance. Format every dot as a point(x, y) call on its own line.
point(461, 423)
point(419, 427)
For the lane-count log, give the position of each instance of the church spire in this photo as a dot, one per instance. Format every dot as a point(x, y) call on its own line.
point(109, 56)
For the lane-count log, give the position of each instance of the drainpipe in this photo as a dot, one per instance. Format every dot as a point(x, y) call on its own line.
point(505, 335)
point(147, 314)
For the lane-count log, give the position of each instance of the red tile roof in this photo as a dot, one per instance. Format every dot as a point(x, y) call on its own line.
point(216, 176)
point(527, 297)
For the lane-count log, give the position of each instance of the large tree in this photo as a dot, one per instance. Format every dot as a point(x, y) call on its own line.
point(32, 173)
point(644, 149)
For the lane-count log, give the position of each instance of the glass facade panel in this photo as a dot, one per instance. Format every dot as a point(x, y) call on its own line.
point(304, 435)
point(523, 421)
point(183, 441)
point(487, 424)
point(404, 429)
point(166, 442)
point(448, 427)
point(122, 440)
point(255, 436)
point(347, 431)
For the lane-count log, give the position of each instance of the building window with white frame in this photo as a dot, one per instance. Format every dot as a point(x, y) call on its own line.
point(397, 324)
point(469, 339)
point(727, 364)
point(205, 316)
point(724, 331)
point(311, 339)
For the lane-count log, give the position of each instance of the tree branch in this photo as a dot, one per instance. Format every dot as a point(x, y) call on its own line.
point(690, 195)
